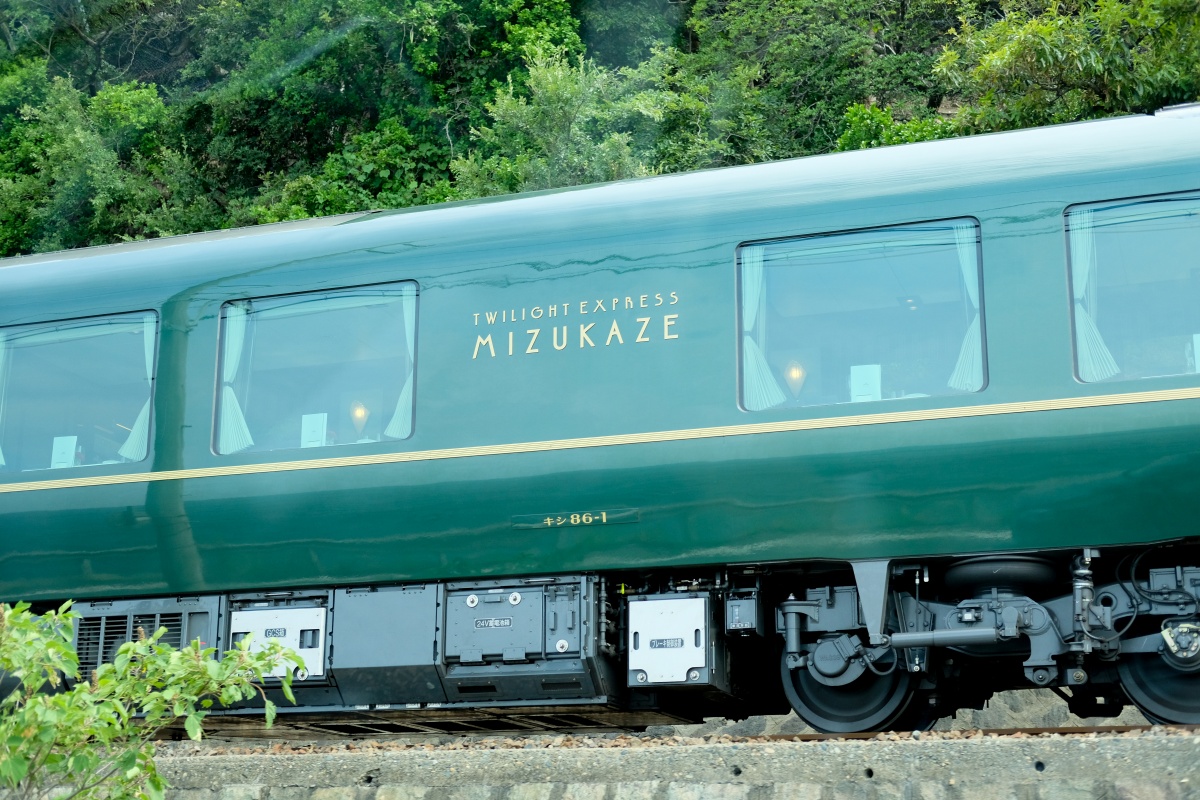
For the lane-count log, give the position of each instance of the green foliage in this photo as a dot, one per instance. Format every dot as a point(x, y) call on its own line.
point(779, 74)
point(129, 119)
point(383, 168)
point(93, 739)
point(870, 126)
point(573, 128)
point(624, 33)
point(1072, 61)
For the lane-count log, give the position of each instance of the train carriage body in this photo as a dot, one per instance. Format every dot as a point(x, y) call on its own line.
point(678, 401)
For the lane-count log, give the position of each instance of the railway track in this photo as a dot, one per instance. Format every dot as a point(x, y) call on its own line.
point(558, 728)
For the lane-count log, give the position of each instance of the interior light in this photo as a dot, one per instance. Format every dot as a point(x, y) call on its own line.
point(359, 414)
point(794, 374)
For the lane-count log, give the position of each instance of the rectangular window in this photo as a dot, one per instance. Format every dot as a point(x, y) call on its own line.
point(1135, 283)
point(76, 393)
point(862, 316)
point(317, 369)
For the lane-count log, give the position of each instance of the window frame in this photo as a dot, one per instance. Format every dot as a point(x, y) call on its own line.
point(1068, 252)
point(151, 365)
point(740, 331)
point(220, 384)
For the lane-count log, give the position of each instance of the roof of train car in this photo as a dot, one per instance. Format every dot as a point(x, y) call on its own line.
point(1165, 140)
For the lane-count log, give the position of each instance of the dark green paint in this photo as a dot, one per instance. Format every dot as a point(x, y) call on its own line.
point(1095, 476)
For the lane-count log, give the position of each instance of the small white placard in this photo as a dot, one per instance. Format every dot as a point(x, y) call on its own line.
point(63, 454)
point(312, 430)
point(866, 381)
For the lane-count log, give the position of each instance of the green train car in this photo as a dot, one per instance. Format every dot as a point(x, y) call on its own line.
point(872, 435)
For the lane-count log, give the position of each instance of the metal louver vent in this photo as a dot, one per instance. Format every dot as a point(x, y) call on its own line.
point(98, 640)
point(115, 633)
point(106, 625)
point(150, 623)
point(88, 643)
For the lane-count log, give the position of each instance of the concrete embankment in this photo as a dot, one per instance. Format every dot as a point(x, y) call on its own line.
point(1157, 765)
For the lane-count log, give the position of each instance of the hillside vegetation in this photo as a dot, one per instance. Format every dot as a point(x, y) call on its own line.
point(128, 119)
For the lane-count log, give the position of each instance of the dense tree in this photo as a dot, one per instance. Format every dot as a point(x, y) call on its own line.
point(574, 127)
point(125, 119)
point(1073, 60)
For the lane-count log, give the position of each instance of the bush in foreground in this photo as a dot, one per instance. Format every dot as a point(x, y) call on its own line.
point(92, 737)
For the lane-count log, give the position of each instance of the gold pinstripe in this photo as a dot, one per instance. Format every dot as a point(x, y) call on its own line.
point(960, 412)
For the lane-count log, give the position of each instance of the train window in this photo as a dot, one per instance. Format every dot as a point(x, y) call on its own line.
point(1135, 282)
point(860, 316)
point(317, 369)
point(76, 393)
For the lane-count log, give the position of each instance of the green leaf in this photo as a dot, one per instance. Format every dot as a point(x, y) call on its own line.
point(192, 725)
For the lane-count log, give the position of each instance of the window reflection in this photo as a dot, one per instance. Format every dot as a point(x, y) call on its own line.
point(76, 393)
point(863, 316)
point(317, 369)
point(1135, 286)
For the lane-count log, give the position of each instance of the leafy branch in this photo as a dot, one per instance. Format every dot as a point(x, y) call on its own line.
point(71, 738)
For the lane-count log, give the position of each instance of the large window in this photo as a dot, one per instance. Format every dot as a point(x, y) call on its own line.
point(76, 393)
point(862, 316)
point(317, 369)
point(1135, 283)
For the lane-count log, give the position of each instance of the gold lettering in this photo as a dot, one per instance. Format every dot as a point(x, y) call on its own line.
point(510, 343)
point(628, 302)
point(599, 306)
point(674, 298)
point(566, 307)
point(668, 321)
point(554, 332)
point(614, 331)
point(491, 317)
point(658, 301)
point(642, 299)
point(533, 338)
point(583, 337)
point(536, 313)
point(583, 306)
point(642, 337)
point(479, 341)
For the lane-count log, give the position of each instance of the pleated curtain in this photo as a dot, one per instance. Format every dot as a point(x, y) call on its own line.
point(760, 389)
point(968, 370)
point(400, 426)
point(233, 435)
point(138, 441)
point(1093, 359)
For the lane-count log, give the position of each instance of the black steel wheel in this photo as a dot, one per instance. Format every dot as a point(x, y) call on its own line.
point(1162, 692)
point(870, 703)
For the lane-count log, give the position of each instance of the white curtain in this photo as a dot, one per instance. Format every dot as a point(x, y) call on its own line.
point(400, 426)
point(138, 440)
point(3, 353)
point(232, 433)
point(968, 370)
point(1095, 362)
point(760, 389)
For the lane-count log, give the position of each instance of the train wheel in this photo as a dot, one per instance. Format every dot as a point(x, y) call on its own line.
point(1163, 692)
point(871, 702)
